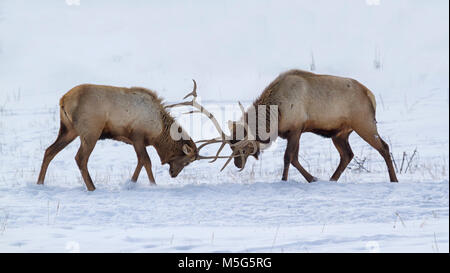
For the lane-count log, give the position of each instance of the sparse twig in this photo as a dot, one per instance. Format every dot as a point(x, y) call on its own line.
point(3, 228)
point(275, 238)
point(410, 160)
point(360, 164)
point(382, 101)
point(401, 220)
point(434, 214)
point(403, 161)
point(252, 173)
point(435, 243)
point(312, 65)
point(56, 213)
point(48, 212)
point(393, 161)
point(377, 59)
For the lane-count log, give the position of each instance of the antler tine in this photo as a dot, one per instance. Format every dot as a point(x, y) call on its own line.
point(244, 142)
point(194, 92)
point(212, 141)
point(241, 107)
point(218, 152)
point(226, 163)
point(186, 103)
point(207, 142)
point(192, 112)
point(230, 157)
point(212, 118)
point(200, 109)
point(210, 157)
point(233, 155)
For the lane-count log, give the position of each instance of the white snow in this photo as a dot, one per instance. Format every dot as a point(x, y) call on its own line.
point(399, 49)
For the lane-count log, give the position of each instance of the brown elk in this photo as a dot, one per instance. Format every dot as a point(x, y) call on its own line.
point(134, 115)
point(329, 106)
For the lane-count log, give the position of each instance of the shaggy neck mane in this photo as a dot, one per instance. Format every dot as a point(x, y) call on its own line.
point(265, 99)
point(165, 146)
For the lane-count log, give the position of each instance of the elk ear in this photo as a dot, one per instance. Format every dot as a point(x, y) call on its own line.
point(187, 149)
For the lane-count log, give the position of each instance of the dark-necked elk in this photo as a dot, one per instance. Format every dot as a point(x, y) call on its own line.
point(329, 106)
point(134, 115)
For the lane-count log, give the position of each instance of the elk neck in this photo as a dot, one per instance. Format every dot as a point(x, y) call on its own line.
point(165, 145)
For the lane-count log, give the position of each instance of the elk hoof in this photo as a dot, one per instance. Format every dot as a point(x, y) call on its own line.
point(314, 179)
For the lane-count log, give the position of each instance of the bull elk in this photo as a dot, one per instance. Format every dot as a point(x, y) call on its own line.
point(134, 115)
point(330, 106)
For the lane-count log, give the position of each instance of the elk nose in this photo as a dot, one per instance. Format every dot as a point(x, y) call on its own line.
point(238, 162)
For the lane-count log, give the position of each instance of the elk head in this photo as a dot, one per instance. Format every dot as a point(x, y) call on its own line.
point(178, 162)
point(244, 149)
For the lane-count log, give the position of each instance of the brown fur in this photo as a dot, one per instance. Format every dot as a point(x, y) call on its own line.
point(326, 105)
point(134, 115)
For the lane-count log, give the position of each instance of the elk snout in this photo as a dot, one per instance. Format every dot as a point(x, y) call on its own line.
point(174, 171)
point(239, 162)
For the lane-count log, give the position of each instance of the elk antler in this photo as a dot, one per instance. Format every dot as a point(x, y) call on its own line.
point(224, 138)
point(201, 109)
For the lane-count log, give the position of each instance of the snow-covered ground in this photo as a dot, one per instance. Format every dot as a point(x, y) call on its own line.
point(399, 49)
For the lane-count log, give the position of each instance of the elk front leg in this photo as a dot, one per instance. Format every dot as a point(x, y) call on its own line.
point(291, 157)
point(137, 171)
point(287, 158)
point(143, 159)
point(297, 164)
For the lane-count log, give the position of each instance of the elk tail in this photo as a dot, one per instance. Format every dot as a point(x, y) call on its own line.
point(372, 99)
point(63, 111)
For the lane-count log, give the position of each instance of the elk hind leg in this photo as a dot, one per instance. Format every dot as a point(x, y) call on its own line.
point(137, 171)
point(369, 133)
point(345, 151)
point(65, 137)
